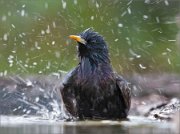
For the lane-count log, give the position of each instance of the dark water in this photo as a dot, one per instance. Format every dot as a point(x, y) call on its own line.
point(136, 125)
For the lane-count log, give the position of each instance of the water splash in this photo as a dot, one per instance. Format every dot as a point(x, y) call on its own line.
point(29, 96)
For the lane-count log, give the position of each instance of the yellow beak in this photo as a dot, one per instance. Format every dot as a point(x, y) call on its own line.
point(78, 39)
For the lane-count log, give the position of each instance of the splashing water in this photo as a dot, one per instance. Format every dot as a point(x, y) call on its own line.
point(35, 95)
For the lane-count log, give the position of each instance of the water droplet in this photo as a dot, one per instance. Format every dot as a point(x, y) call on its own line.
point(37, 46)
point(129, 10)
point(48, 30)
point(28, 112)
point(75, 2)
point(168, 49)
point(40, 72)
point(34, 63)
point(5, 37)
point(141, 66)
point(9, 13)
point(22, 12)
point(13, 26)
point(147, 1)
point(116, 39)
point(24, 110)
point(124, 13)
point(63, 4)
point(172, 40)
point(134, 54)
point(120, 25)
point(157, 19)
point(57, 54)
point(5, 73)
point(46, 5)
point(166, 2)
point(145, 17)
point(4, 18)
point(97, 5)
point(169, 61)
point(53, 42)
point(42, 32)
point(92, 17)
point(29, 83)
point(37, 99)
point(14, 109)
point(23, 42)
point(23, 6)
point(54, 24)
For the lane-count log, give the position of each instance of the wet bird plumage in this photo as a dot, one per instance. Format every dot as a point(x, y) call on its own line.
point(92, 90)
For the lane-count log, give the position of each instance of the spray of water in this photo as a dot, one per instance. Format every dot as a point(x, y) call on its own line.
point(38, 96)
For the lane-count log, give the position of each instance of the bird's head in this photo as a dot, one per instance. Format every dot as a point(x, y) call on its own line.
point(91, 45)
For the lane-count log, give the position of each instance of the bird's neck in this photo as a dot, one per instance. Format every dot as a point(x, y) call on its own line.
point(93, 65)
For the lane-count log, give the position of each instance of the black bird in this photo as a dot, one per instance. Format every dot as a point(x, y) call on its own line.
point(92, 90)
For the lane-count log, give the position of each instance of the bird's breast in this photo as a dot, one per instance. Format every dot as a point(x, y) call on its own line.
point(96, 85)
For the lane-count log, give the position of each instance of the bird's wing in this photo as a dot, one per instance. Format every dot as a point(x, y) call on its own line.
point(125, 91)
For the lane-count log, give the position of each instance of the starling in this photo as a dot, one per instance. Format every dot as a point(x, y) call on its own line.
point(92, 90)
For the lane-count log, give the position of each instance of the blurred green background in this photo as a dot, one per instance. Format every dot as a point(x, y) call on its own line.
point(141, 34)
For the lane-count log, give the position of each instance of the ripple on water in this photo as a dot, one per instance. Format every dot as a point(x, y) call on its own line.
point(40, 125)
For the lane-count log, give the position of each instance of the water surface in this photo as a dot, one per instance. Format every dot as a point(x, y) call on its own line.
point(37, 125)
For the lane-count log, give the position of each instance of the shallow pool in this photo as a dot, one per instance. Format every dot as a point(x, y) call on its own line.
point(38, 125)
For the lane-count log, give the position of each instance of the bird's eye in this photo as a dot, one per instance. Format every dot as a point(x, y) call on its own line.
point(94, 41)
